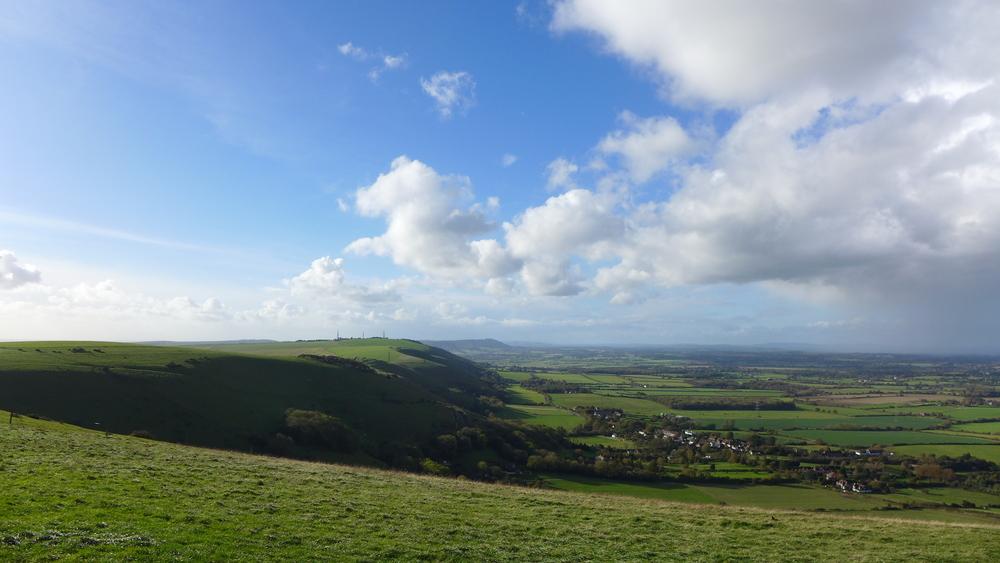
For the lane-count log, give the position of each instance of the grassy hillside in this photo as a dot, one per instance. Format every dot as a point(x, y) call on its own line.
point(68, 492)
point(235, 397)
point(457, 379)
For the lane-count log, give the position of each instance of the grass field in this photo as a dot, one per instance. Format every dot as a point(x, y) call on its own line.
point(987, 452)
point(553, 417)
point(958, 413)
point(521, 396)
point(70, 493)
point(869, 438)
point(790, 497)
point(383, 349)
point(642, 407)
point(979, 427)
point(607, 441)
point(777, 420)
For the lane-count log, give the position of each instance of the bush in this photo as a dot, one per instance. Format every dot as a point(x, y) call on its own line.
point(433, 467)
point(320, 429)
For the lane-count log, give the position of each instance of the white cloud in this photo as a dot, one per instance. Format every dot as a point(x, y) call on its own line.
point(734, 52)
point(386, 62)
point(545, 238)
point(349, 49)
point(107, 300)
point(647, 145)
point(430, 227)
point(393, 61)
point(508, 160)
point(451, 91)
point(899, 209)
point(325, 278)
point(325, 275)
point(560, 172)
point(15, 274)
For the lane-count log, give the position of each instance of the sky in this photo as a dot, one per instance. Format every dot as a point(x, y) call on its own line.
point(574, 171)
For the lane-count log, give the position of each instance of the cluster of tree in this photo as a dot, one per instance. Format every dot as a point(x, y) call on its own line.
point(552, 386)
point(317, 429)
point(726, 381)
point(725, 403)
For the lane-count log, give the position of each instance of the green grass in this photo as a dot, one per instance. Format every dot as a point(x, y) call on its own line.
point(794, 497)
point(779, 420)
point(553, 417)
point(986, 452)
point(523, 396)
point(642, 407)
point(387, 350)
point(607, 441)
point(979, 427)
point(944, 495)
point(869, 438)
point(958, 413)
point(227, 399)
point(76, 494)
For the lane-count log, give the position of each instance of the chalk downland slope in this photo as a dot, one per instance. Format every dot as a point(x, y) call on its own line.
point(395, 394)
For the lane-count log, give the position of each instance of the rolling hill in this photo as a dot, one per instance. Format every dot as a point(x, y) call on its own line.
point(76, 493)
point(386, 397)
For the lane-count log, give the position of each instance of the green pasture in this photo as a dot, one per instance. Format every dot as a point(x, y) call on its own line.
point(884, 438)
point(78, 495)
point(605, 441)
point(640, 407)
point(989, 452)
point(542, 416)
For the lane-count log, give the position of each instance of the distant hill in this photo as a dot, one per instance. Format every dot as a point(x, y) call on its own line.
point(76, 494)
point(472, 345)
point(371, 400)
point(203, 342)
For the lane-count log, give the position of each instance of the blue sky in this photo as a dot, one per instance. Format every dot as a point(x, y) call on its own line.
point(179, 170)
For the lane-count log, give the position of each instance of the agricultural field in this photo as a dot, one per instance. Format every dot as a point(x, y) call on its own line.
point(937, 502)
point(122, 498)
point(861, 438)
point(640, 407)
point(989, 452)
point(750, 420)
point(552, 417)
point(707, 430)
point(979, 427)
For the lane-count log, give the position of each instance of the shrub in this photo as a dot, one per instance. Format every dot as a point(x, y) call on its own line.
point(320, 429)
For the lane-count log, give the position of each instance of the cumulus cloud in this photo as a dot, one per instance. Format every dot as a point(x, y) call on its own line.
point(431, 224)
point(862, 167)
point(15, 274)
point(432, 228)
point(733, 52)
point(647, 145)
point(326, 278)
point(508, 160)
point(907, 193)
point(451, 91)
point(545, 238)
